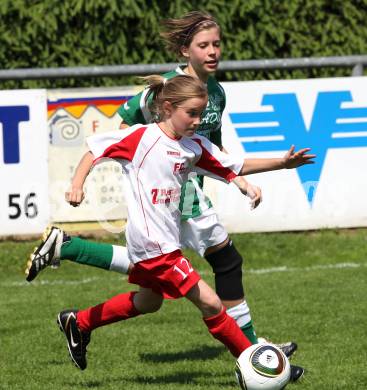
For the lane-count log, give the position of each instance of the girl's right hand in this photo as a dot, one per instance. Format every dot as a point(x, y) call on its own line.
point(74, 196)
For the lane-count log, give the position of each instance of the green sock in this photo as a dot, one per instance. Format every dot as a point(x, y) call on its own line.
point(249, 331)
point(87, 252)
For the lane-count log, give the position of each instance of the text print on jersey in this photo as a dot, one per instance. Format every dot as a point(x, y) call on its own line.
point(10, 117)
point(214, 110)
point(179, 168)
point(331, 127)
point(166, 196)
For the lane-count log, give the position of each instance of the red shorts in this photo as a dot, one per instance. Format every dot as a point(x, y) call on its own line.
point(170, 275)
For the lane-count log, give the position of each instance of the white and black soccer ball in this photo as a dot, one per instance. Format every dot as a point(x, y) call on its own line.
point(262, 366)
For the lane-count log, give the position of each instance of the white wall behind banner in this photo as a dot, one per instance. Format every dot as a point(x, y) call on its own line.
point(263, 119)
point(23, 161)
point(73, 115)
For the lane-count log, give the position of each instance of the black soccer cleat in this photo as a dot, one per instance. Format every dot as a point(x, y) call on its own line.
point(47, 253)
point(288, 348)
point(296, 373)
point(77, 340)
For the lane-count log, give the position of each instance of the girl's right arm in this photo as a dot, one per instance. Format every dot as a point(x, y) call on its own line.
point(75, 195)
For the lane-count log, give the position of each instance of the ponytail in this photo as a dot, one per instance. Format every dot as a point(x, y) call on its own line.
point(175, 90)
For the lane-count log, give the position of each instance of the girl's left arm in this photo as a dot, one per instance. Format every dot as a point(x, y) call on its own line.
point(290, 160)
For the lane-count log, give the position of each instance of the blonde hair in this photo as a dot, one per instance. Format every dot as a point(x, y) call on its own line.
point(180, 32)
point(175, 90)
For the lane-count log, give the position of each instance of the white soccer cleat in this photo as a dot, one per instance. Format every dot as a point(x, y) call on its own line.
point(47, 253)
point(288, 348)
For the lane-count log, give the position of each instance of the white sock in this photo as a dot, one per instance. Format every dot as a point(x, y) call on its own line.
point(120, 260)
point(240, 313)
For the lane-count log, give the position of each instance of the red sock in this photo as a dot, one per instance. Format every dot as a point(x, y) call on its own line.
point(225, 329)
point(118, 308)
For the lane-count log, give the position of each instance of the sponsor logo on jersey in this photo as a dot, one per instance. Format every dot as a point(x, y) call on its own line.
point(165, 195)
point(212, 113)
point(179, 168)
point(173, 153)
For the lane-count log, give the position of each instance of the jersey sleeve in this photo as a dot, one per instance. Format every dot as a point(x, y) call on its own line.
point(216, 136)
point(135, 110)
point(216, 164)
point(118, 145)
point(223, 106)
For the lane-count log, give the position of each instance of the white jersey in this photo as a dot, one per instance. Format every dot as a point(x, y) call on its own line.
point(156, 167)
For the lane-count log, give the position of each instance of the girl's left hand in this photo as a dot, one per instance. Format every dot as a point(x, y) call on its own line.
point(254, 193)
point(250, 190)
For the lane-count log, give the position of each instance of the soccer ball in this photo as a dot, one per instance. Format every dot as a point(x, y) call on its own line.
point(262, 366)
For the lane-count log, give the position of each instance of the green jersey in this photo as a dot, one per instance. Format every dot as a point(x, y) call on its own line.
point(136, 110)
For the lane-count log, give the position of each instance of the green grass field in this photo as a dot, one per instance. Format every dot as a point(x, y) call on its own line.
point(307, 287)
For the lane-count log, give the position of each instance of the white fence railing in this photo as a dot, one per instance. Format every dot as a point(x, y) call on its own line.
point(356, 62)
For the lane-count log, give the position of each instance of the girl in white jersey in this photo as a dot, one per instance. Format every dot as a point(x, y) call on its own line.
point(196, 38)
point(158, 159)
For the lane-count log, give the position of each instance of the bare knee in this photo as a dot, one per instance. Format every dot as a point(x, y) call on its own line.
point(205, 299)
point(211, 307)
point(152, 307)
point(146, 301)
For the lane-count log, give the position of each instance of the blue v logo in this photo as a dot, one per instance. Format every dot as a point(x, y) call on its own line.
point(331, 127)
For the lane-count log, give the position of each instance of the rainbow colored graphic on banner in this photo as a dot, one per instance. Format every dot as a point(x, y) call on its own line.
point(76, 107)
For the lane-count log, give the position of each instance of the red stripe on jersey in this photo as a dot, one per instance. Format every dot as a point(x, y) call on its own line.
point(211, 164)
point(126, 148)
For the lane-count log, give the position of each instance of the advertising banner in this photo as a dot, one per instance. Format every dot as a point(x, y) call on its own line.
point(23, 162)
point(42, 139)
point(263, 119)
point(73, 115)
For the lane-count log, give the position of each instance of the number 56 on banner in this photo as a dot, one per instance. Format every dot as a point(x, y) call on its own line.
point(24, 206)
